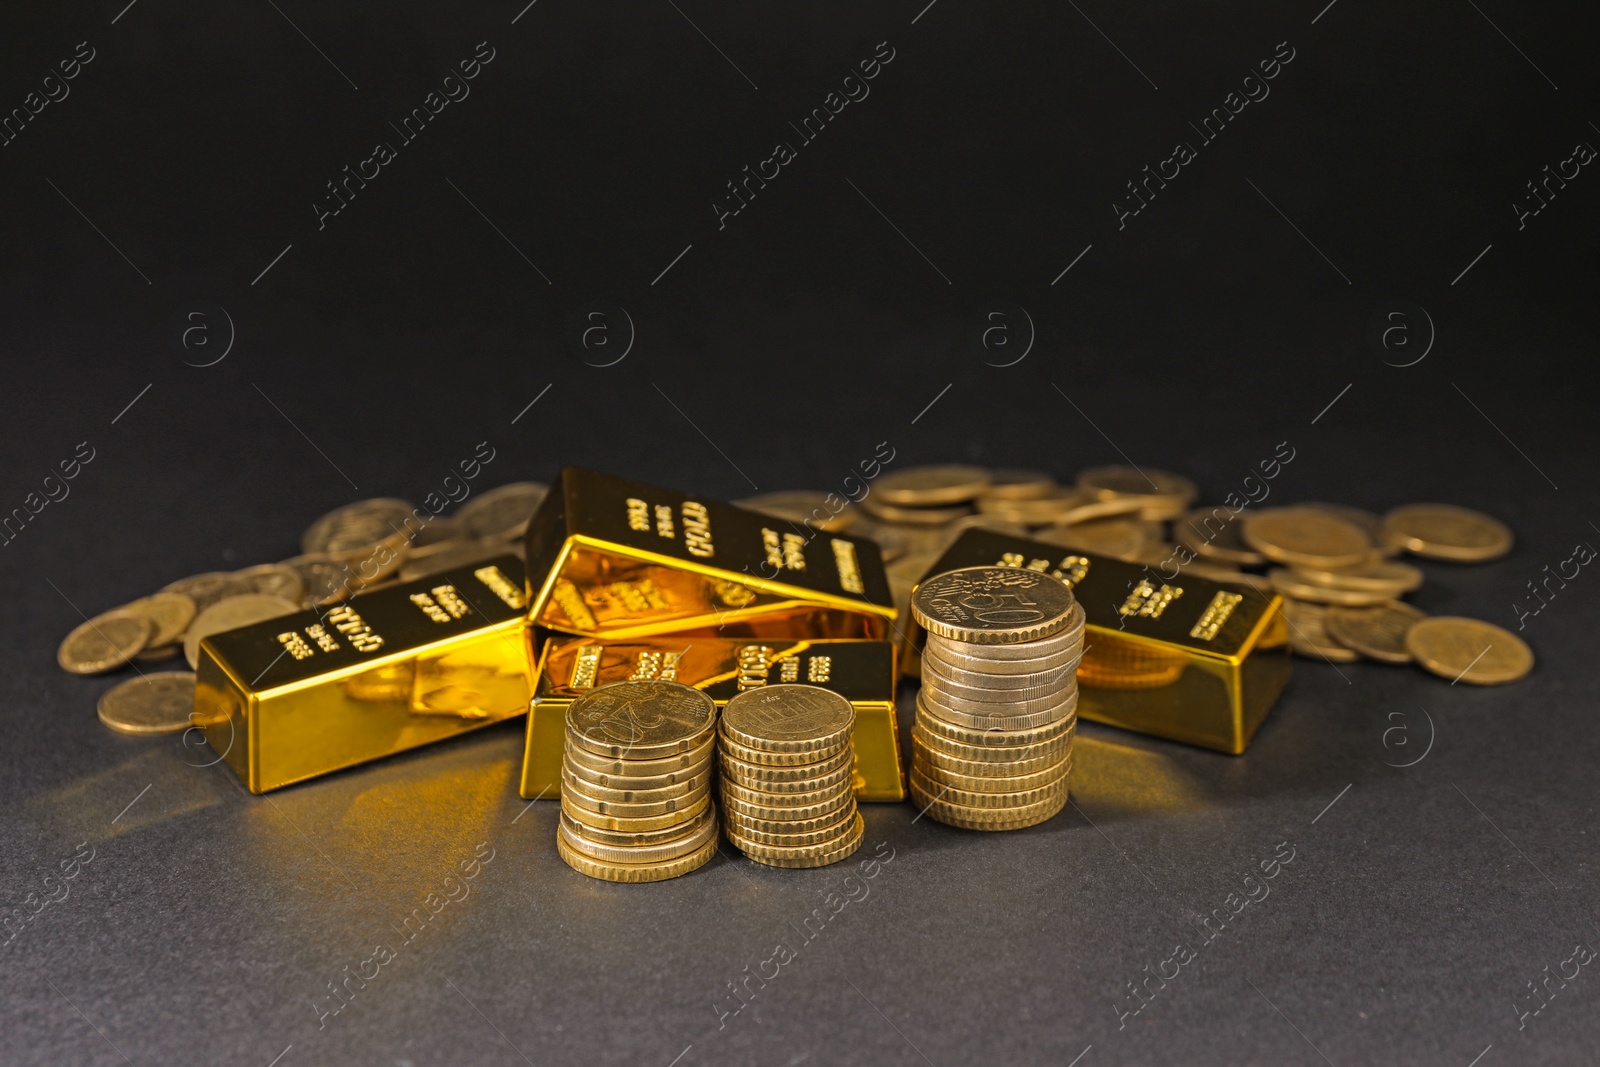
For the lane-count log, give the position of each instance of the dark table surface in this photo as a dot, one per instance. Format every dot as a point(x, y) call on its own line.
point(182, 301)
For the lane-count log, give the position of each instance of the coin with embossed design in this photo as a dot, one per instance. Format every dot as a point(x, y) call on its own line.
point(994, 605)
point(1444, 531)
point(1469, 650)
point(641, 720)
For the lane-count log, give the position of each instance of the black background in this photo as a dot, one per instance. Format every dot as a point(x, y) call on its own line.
point(776, 352)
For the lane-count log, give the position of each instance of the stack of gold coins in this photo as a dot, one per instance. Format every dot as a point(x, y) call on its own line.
point(636, 782)
point(992, 741)
point(788, 775)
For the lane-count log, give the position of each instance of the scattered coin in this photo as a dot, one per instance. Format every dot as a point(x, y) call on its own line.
point(1122, 538)
point(452, 554)
point(1159, 494)
point(1018, 485)
point(1306, 537)
point(502, 512)
point(151, 704)
point(353, 530)
point(275, 579)
point(1380, 576)
point(910, 516)
point(1377, 632)
point(206, 589)
point(1215, 534)
point(105, 642)
point(920, 487)
point(1467, 650)
point(1383, 540)
point(1308, 633)
point(171, 612)
point(1444, 531)
point(231, 614)
point(1291, 582)
point(325, 580)
point(806, 507)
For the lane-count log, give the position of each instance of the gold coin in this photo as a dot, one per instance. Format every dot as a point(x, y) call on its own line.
point(742, 833)
point(988, 818)
point(231, 614)
point(787, 813)
point(503, 512)
point(995, 605)
point(630, 824)
point(1377, 632)
point(788, 718)
point(1019, 781)
point(161, 652)
point(153, 704)
point(991, 762)
point(779, 824)
point(930, 704)
point(641, 720)
point(1002, 684)
point(352, 530)
point(777, 759)
point(326, 580)
point(1292, 583)
point(1469, 650)
point(1024, 657)
point(1215, 533)
point(955, 791)
point(992, 755)
point(637, 782)
point(1444, 531)
point(920, 487)
point(1120, 538)
point(1053, 506)
point(1379, 576)
point(631, 794)
point(275, 579)
point(762, 800)
point(805, 507)
point(573, 794)
point(837, 778)
point(1018, 485)
point(635, 872)
point(757, 776)
point(206, 589)
point(693, 838)
point(985, 737)
point(1308, 633)
point(913, 516)
point(1383, 540)
point(624, 839)
point(450, 555)
point(1306, 537)
point(105, 642)
point(691, 762)
point(171, 612)
point(808, 855)
point(1160, 494)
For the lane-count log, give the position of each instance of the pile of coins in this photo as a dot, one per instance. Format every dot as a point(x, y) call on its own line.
point(636, 782)
point(1341, 587)
point(788, 775)
point(992, 739)
point(360, 546)
point(1335, 565)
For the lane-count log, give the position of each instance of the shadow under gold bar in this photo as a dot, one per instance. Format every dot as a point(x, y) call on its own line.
point(861, 671)
point(619, 559)
point(1187, 658)
point(385, 671)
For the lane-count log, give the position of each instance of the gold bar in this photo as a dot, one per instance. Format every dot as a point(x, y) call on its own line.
point(862, 671)
point(387, 670)
point(1188, 659)
point(619, 559)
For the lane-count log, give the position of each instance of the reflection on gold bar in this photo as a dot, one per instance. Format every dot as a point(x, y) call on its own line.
point(619, 559)
point(406, 665)
point(862, 671)
point(1188, 659)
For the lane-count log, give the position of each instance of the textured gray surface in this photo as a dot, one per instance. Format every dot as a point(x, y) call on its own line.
point(376, 352)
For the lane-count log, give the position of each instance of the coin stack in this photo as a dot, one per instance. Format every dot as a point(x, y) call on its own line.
point(992, 740)
point(636, 782)
point(788, 775)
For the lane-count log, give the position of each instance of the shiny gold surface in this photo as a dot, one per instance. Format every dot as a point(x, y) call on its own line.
point(620, 559)
point(1185, 658)
point(861, 671)
point(389, 670)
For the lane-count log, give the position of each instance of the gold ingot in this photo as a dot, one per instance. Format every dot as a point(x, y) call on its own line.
point(619, 559)
point(387, 670)
point(1180, 657)
point(863, 672)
